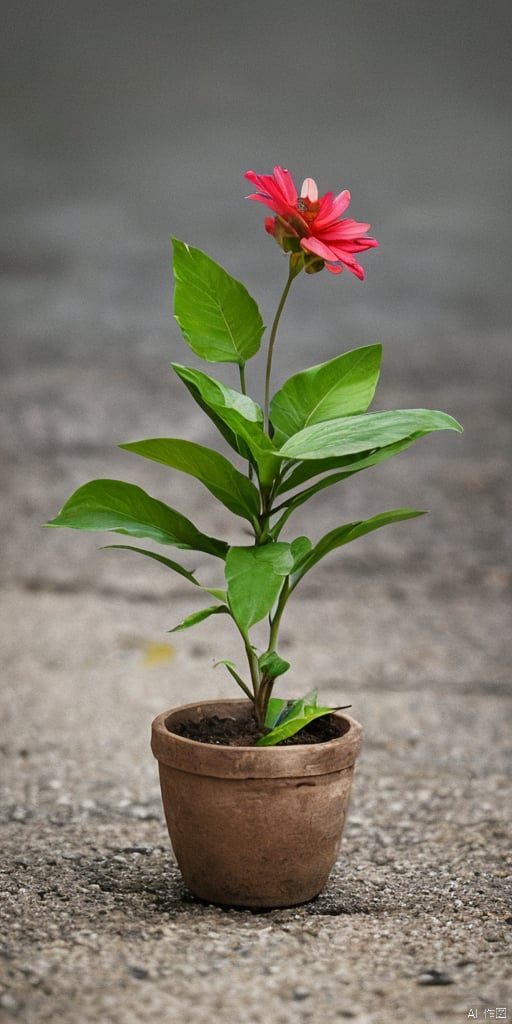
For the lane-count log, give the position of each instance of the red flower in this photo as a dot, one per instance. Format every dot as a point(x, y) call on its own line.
point(311, 224)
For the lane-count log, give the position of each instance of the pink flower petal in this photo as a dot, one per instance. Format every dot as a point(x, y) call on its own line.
point(331, 208)
point(332, 254)
point(342, 229)
point(309, 190)
point(286, 184)
point(360, 244)
point(318, 248)
point(277, 193)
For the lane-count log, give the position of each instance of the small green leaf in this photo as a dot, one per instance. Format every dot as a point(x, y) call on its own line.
point(255, 576)
point(218, 318)
point(217, 474)
point(350, 434)
point(168, 562)
point(200, 616)
point(290, 718)
point(345, 534)
point(221, 595)
point(277, 709)
point(175, 566)
point(238, 679)
point(343, 386)
point(300, 548)
point(272, 664)
point(125, 508)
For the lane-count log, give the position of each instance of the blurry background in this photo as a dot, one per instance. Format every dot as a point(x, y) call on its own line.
point(125, 123)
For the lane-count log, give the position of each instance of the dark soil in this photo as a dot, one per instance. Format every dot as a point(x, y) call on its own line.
point(244, 732)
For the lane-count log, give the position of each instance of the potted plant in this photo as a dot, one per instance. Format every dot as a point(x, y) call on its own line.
point(255, 790)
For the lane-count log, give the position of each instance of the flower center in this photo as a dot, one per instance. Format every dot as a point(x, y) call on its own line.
point(307, 208)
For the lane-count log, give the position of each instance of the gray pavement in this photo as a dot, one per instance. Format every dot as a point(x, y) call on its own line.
point(125, 124)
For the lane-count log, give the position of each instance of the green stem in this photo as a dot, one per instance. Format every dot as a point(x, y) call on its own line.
point(253, 662)
point(264, 695)
point(245, 689)
point(267, 682)
point(292, 272)
point(243, 389)
point(276, 621)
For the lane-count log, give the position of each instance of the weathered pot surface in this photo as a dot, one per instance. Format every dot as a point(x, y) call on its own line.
point(253, 826)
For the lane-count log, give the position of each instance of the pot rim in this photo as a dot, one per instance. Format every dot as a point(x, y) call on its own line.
point(251, 762)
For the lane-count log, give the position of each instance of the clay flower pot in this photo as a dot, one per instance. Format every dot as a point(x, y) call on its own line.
point(253, 826)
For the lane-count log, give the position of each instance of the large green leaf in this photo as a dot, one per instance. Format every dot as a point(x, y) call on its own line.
point(225, 482)
point(239, 419)
point(211, 395)
point(350, 434)
point(255, 576)
point(125, 508)
point(344, 386)
point(347, 465)
point(344, 534)
point(218, 318)
point(352, 464)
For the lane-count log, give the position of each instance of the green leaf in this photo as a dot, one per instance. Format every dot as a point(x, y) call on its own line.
point(238, 679)
point(300, 548)
point(285, 718)
point(343, 386)
point(125, 508)
point(280, 709)
point(277, 709)
point(168, 562)
point(255, 576)
point(217, 474)
point(352, 464)
point(237, 417)
point(347, 464)
point(200, 616)
point(272, 664)
point(345, 534)
point(175, 566)
point(212, 395)
point(218, 318)
point(350, 434)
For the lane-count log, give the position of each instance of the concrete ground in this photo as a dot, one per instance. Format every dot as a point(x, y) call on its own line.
point(125, 125)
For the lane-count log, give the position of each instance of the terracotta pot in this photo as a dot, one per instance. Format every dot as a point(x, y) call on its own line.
point(253, 826)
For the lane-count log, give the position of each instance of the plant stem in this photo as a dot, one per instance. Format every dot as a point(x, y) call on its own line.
point(276, 621)
point(264, 695)
point(243, 389)
point(253, 662)
point(292, 272)
point(266, 684)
